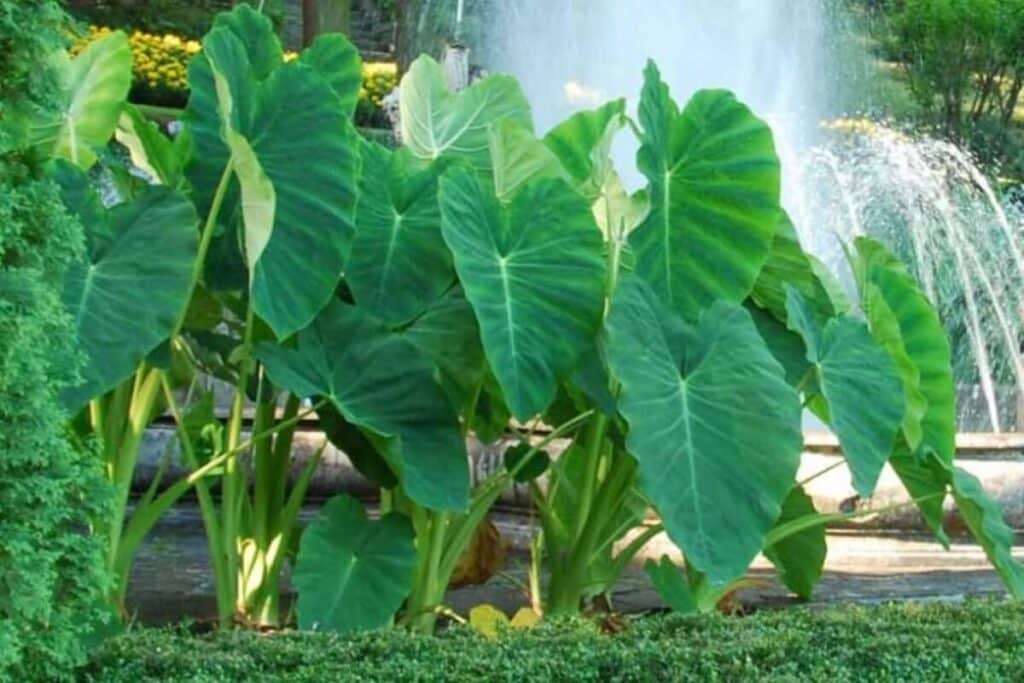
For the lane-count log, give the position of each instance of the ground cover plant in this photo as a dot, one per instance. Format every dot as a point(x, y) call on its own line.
point(973, 641)
point(669, 339)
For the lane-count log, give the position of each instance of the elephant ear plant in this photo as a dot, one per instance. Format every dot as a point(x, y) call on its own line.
point(670, 338)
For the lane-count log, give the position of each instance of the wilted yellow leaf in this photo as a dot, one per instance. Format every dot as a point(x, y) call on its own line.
point(486, 619)
point(525, 618)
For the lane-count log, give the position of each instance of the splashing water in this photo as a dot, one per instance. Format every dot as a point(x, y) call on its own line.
point(928, 201)
point(788, 60)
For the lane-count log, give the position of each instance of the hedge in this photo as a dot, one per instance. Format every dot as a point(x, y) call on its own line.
point(974, 641)
point(51, 573)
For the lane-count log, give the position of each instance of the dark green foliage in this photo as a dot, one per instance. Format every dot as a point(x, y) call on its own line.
point(975, 641)
point(190, 18)
point(49, 569)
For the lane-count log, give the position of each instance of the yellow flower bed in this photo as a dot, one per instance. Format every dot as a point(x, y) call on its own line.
point(161, 65)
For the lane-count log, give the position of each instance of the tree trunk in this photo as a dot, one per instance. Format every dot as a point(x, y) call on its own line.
point(310, 15)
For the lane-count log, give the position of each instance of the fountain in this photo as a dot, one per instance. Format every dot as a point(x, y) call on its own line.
point(789, 61)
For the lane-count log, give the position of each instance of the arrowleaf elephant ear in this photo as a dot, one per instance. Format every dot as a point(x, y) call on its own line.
point(260, 116)
point(696, 245)
point(713, 424)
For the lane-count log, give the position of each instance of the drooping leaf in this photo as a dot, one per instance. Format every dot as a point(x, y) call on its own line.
point(447, 335)
point(924, 341)
point(800, 558)
point(534, 274)
point(985, 520)
point(927, 480)
point(127, 293)
point(338, 62)
point(150, 150)
point(583, 144)
point(861, 384)
point(298, 217)
point(437, 123)
point(399, 263)
point(96, 85)
point(352, 574)
point(671, 585)
point(379, 382)
point(713, 425)
point(714, 189)
point(788, 265)
point(925, 470)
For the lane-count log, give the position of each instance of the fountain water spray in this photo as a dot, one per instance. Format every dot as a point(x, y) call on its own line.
point(925, 198)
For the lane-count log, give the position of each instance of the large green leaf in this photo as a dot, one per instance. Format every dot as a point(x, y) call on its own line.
point(788, 265)
point(713, 424)
point(583, 144)
point(352, 574)
point(96, 85)
point(534, 273)
point(438, 123)
point(379, 381)
point(338, 62)
point(128, 292)
point(714, 188)
point(859, 381)
point(399, 263)
point(298, 217)
point(985, 520)
point(800, 558)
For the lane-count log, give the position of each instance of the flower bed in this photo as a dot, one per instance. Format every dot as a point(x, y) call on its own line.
point(160, 72)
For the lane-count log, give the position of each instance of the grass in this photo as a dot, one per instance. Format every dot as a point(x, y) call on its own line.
point(976, 641)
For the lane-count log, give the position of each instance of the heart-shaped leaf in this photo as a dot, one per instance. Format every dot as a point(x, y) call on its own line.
point(96, 85)
point(437, 123)
point(297, 217)
point(534, 273)
point(714, 187)
point(379, 382)
point(713, 425)
point(859, 381)
point(128, 292)
point(352, 574)
point(399, 263)
point(800, 558)
point(518, 157)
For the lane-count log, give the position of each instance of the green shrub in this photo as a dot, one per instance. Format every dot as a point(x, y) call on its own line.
point(49, 570)
point(975, 641)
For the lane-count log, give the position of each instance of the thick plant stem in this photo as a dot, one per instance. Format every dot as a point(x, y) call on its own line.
point(432, 583)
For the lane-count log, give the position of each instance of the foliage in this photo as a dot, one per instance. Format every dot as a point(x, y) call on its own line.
point(160, 72)
point(188, 18)
point(50, 489)
point(963, 61)
point(670, 338)
point(977, 640)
